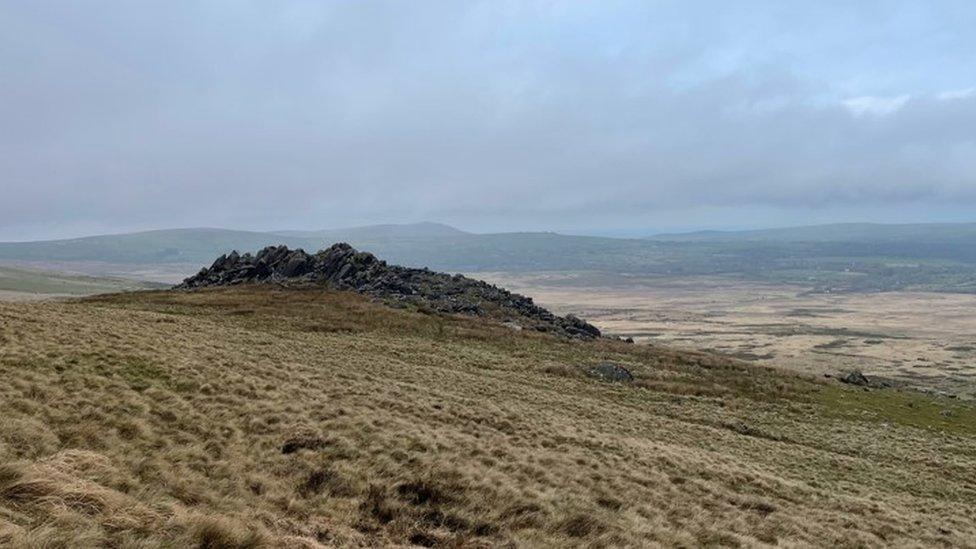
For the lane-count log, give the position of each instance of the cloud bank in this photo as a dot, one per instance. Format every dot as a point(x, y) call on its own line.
point(493, 114)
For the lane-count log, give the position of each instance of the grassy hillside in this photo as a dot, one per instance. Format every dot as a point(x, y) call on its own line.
point(957, 233)
point(374, 232)
point(165, 246)
point(437, 247)
point(29, 282)
point(867, 258)
point(259, 417)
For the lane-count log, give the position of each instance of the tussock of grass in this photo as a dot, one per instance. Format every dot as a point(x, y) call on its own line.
point(258, 417)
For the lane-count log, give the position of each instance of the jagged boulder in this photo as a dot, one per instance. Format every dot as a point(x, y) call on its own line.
point(343, 267)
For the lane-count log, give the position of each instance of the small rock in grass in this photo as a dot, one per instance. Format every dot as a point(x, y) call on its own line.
point(855, 378)
point(608, 371)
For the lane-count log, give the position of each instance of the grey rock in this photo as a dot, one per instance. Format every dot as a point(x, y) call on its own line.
point(296, 265)
point(855, 378)
point(608, 371)
point(342, 267)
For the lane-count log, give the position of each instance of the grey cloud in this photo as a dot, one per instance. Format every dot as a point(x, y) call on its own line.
point(308, 114)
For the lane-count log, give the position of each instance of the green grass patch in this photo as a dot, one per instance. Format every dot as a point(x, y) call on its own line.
point(140, 373)
point(908, 408)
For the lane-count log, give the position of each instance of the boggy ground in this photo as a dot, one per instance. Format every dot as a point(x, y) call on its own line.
point(925, 340)
point(261, 417)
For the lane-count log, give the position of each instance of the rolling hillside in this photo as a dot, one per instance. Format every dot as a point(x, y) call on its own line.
point(945, 233)
point(418, 245)
point(163, 246)
point(261, 417)
point(831, 258)
point(379, 232)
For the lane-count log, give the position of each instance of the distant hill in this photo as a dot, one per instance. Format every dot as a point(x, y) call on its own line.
point(389, 231)
point(423, 245)
point(847, 257)
point(839, 232)
point(163, 246)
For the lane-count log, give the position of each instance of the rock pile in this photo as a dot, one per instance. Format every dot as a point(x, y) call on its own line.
point(342, 267)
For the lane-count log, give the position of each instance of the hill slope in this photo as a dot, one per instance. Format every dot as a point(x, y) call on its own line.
point(837, 258)
point(163, 246)
point(436, 246)
point(27, 284)
point(959, 233)
point(256, 416)
point(373, 232)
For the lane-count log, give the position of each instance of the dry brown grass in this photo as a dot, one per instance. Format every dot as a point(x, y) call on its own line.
point(256, 417)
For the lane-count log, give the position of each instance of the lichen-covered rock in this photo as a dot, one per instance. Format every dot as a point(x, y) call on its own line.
point(343, 267)
point(608, 371)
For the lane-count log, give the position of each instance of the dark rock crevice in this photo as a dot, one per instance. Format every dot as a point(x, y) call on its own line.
point(343, 267)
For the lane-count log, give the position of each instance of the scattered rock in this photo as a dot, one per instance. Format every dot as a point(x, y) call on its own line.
point(343, 267)
point(855, 378)
point(608, 371)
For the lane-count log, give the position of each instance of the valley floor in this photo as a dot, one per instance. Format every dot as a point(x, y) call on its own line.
point(925, 340)
point(252, 417)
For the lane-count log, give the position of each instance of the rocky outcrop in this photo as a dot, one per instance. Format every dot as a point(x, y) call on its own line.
point(342, 267)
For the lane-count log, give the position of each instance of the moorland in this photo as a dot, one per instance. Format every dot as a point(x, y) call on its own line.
point(923, 340)
point(894, 301)
point(825, 259)
point(256, 415)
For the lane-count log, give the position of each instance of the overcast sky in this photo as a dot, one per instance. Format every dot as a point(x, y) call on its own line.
point(594, 117)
